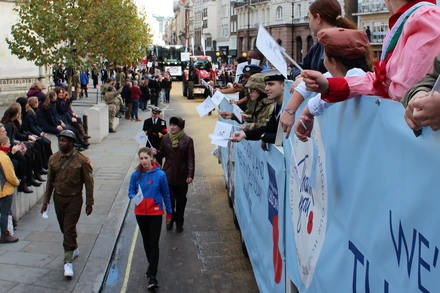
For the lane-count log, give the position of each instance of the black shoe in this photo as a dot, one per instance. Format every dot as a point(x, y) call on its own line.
point(43, 171)
point(152, 283)
point(179, 228)
point(39, 178)
point(169, 226)
point(23, 188)
point(33, 183)
point(112, 131)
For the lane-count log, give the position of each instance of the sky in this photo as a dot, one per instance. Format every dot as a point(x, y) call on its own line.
point(165, 8)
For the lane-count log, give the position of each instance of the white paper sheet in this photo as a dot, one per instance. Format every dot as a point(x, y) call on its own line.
point(46, 213)
point(217, 98)
point(271, 50)
point(207, 106)
point(436, 87)
point(222, 134)
point(141, 138)
point(255, 62)
point(232, 97)
point(240, 68)
point(237, 112)
point(138, 197)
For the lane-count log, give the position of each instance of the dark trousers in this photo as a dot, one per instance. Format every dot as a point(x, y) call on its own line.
point(134, 109)
point(167, 94)
point(68, 210)
point(150, 227)
point(5, 208)
point(128, 113)
point(178, 201)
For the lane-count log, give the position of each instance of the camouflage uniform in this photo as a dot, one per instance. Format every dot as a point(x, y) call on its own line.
point(111, 98)
point(259, 113)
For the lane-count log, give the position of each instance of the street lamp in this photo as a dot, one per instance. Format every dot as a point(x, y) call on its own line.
point(218, 55)
point(244, 54)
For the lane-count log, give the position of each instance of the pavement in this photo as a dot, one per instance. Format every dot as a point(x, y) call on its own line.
point(35, 263)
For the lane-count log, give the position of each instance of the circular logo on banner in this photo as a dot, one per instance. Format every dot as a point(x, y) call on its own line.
point(308, 201)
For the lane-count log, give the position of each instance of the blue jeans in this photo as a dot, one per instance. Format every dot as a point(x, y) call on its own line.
point(5, 205)
point(134, 109)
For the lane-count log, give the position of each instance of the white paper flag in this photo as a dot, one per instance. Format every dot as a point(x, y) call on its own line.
point(222, 134)
point(217, 98)
point(271, 50)
point(205, 107)
point(141, 138)
point(232, 97)
point(137, 199)
point(237, 112)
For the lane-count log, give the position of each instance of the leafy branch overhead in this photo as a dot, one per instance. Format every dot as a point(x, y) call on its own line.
point(78, 32)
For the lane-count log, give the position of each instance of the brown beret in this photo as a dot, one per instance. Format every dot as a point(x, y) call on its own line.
point(346, 43)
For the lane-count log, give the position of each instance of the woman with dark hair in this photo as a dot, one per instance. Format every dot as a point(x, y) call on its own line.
point(32, 125)
point(48, 117)
point(151, 182)
point(11, 122)
point(62, 108)
point(323, 14)
point(345, 54)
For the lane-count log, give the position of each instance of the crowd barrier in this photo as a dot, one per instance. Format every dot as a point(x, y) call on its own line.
point(358, 213)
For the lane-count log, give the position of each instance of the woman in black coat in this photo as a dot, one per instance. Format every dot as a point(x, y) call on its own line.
point(48, 117)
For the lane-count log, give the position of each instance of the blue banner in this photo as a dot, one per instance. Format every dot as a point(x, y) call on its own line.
point(259, 188)
point(362, 202)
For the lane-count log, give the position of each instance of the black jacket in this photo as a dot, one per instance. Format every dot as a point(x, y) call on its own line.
point(32, 123)
point(269, 130)
point(153, 131)
point(314, 60)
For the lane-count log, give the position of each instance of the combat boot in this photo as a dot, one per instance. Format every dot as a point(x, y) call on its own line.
point(7, 238)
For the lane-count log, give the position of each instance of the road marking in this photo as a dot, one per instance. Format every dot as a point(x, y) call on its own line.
point(129, 261)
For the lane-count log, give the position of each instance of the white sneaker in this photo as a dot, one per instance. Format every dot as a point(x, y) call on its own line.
point(68, 269)
point(75, 253)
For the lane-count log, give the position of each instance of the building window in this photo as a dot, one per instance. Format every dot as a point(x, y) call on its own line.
point(205, 23)
point(208, 42)
point(279, 12)
point(298, 11)
point(205, 12)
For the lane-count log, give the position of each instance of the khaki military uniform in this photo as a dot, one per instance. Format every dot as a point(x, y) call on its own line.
point(111, 98)
point(67, 186)
point(259, 113)
point(120, 79)
point(104, 89)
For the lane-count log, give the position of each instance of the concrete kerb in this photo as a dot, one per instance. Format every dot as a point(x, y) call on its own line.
point(97, 265)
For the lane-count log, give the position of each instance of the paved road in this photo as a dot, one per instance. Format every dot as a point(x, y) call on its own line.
point(207, 256)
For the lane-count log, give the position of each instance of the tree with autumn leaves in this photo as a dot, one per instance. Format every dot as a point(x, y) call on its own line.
point(79, 32)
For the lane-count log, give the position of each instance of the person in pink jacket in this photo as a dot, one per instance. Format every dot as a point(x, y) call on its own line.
point(407, 53)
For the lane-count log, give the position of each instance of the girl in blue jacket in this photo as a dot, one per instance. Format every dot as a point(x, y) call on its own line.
point(152, 181)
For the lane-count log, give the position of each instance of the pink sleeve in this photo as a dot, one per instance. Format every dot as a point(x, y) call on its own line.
point(420, 46)
point(362, 85)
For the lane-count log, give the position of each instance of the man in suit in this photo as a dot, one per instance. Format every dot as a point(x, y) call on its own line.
point(155, 128)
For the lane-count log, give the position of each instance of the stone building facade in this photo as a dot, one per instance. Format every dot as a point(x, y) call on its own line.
point(16, 76)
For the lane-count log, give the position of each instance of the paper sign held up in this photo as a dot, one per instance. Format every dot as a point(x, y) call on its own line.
point(237, 112)
point(205, 107)
point(217, 97)
point(141, 138)
point(222, 134)
point(271, 50)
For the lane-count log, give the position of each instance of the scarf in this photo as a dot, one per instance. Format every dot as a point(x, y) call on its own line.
point(175, 138)
point(5, 149)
